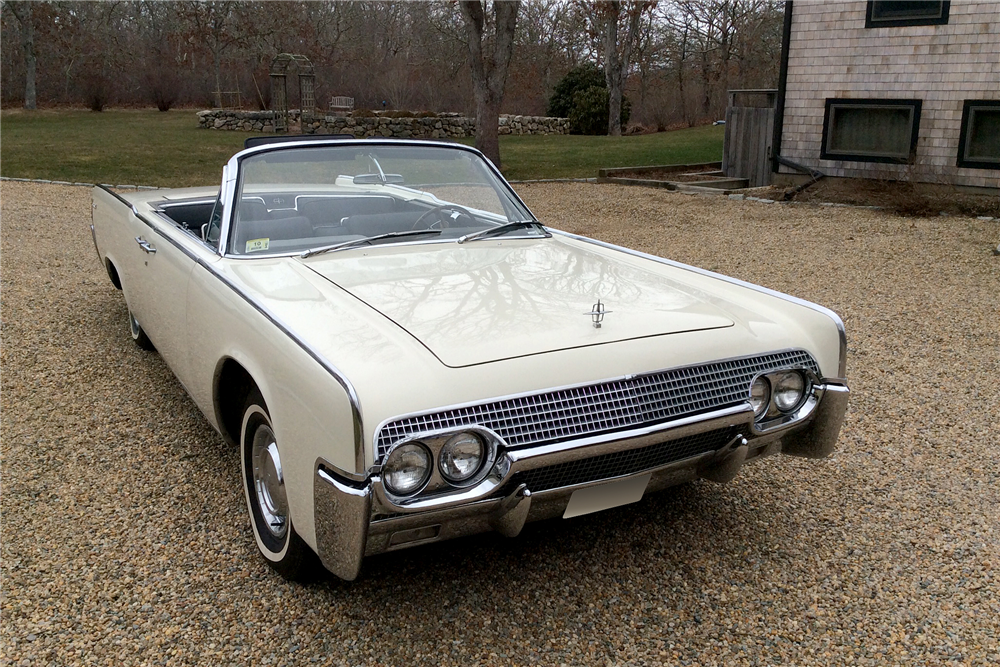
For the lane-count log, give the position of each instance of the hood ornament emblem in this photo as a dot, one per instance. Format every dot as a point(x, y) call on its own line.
point(597, 313)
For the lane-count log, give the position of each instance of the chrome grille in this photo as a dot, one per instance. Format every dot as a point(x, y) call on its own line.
point(616, 464)
point(606, 406)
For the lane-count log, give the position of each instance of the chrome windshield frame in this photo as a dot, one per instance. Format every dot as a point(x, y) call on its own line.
point(232, 176)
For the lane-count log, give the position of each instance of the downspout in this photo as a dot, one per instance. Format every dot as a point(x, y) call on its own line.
point(779, 104)
point(815, 173)
point(779, 114)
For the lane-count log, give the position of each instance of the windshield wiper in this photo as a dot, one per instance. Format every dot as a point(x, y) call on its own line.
point(368, 240)
point(503, 229)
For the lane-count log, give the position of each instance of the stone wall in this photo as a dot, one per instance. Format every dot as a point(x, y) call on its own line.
point(440, 127)
point(831, 54)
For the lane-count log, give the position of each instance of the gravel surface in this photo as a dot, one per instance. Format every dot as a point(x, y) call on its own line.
point(125, 542)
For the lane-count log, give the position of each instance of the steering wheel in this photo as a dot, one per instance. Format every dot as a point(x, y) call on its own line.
point(441, 219)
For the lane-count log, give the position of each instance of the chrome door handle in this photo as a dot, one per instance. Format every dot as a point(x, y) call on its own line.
point(146, 248)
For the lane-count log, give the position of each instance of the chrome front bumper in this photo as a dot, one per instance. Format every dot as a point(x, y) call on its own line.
point(354, 520)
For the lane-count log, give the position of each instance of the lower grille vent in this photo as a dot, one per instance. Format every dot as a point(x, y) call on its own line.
point(616, 464)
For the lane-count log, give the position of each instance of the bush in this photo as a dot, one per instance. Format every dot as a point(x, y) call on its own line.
point(362, 113)
point(163, 84)
point(576, 80)
point(589, 114)
point(575, 97)
point(164, 98)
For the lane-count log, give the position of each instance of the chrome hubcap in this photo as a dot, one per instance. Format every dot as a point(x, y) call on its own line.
point(269, 482)
point(133, 325)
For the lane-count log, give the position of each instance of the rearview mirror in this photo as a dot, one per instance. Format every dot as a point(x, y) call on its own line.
point(376, 179)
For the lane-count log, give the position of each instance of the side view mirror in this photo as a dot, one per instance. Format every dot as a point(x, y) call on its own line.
point(204, 232)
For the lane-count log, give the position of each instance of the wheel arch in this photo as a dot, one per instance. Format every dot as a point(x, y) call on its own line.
point(232, 385)
point(112, 273)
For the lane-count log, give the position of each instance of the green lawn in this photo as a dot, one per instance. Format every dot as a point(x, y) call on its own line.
point(146, 147)
point(574, 156)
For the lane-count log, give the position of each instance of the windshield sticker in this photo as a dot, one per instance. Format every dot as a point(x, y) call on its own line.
point(255, 245)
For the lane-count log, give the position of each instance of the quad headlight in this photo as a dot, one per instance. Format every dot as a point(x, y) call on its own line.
point(461, 457)
point(778, 395)
point(407, 469)
point(789, 389)
point(437, 463)
point(760, 395)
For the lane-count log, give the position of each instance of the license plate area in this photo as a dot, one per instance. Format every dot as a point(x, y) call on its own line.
point(606, 496)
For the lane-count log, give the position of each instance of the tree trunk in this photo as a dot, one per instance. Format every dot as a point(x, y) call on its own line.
point(487, 117)
point(680, 79)
point(617, 56)
point(706, 86)
point(24, 12)
point(29, 66)
point(489, 60)
point(612, 67)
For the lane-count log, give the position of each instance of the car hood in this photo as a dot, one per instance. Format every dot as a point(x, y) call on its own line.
point(491, 300)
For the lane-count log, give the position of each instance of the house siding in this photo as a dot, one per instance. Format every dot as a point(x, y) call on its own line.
point(832, 55)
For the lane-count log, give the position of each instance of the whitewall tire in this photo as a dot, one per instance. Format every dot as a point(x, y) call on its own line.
point(264, 490)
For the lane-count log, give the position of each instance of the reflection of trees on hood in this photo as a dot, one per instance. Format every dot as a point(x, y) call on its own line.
point(542, 284)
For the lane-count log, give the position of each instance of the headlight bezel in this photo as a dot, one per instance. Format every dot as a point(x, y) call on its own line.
point(788, 413)
point(437, 483)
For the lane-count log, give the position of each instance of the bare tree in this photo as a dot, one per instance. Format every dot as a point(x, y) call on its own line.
point(213, 24)
point(732, 42)
point(618, 22)
point(675, 66)
point(490, 40)
point(24, 13)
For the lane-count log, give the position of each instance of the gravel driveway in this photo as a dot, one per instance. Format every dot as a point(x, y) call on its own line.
point(125, 541)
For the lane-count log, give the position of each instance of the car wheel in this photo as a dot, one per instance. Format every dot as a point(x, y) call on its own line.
point(267, 502)
point(138, 335)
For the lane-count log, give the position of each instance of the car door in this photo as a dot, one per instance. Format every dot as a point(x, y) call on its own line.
point(164, 256)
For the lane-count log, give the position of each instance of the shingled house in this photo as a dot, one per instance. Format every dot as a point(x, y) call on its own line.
point(905, 90)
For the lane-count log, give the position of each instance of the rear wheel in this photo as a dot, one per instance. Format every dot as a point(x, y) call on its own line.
point(267, 502)
point(138, 335)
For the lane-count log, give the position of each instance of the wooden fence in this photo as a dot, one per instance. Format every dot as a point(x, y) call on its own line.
point(749, 130)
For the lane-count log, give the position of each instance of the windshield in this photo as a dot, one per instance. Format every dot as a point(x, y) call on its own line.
point(296, 200)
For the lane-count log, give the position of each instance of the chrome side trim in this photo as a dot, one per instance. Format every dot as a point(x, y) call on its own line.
point(342, 516)
point(116, 196)
point(172, 203)
point(818, 439)
point(842, 367)
point(352, 395)
point(93, 235)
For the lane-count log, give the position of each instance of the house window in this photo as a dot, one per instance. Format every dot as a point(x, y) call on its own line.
point(871, 130)
point(897, 13)
point(979, 143)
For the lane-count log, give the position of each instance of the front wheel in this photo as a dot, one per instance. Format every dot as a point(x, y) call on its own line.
point(267, 502)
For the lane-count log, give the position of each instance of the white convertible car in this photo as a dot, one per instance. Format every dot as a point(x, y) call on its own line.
point(404, 354)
